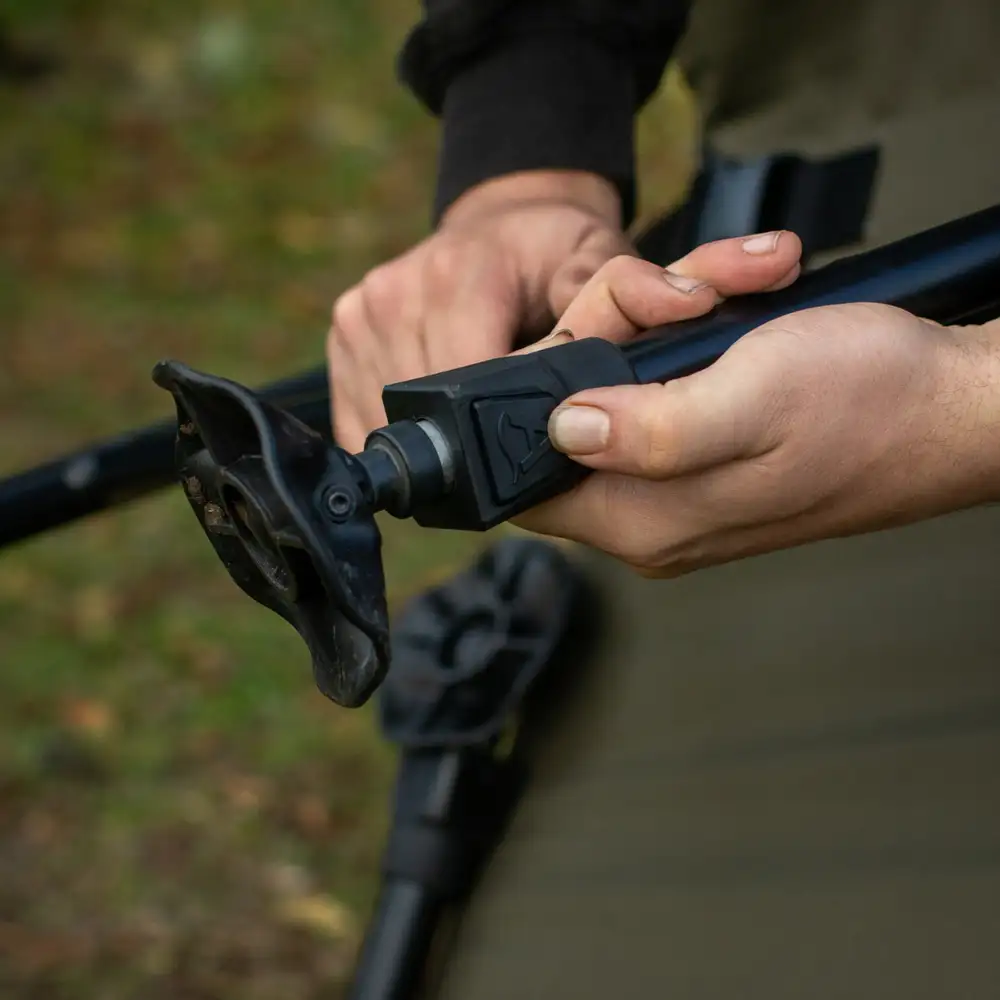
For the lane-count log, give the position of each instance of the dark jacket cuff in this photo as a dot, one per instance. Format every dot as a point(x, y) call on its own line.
point(551, 101)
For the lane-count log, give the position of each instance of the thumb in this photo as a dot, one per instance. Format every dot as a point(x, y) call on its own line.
point(598, 247)
point(660, 431)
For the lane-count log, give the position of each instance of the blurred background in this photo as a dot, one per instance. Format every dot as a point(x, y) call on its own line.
point(181, 814)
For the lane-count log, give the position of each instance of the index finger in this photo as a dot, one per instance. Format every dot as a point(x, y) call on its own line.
point(629, 295)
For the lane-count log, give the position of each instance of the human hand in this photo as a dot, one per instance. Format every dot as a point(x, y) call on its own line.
point(509, 256)
point(827, 422)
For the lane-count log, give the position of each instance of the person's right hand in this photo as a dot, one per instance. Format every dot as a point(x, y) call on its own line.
point(508, 257)
point(828, 422)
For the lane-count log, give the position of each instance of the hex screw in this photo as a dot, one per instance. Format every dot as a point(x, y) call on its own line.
point(340, 504)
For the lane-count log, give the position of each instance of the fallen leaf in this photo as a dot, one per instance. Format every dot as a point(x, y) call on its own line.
point(245, 792)
point(319, 913)
point(287, 880)
point(312, 815)
point(89, 716)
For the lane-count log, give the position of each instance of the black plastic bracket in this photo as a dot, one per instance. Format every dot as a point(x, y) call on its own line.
point(278, 505)
point(494, 416)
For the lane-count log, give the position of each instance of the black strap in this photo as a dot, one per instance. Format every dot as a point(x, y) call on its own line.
point(824, 201)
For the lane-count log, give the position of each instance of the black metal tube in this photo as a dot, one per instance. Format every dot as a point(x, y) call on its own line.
point(128, 466)
point(950, 274)
point(397, 942)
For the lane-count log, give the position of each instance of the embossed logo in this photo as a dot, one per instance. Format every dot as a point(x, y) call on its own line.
point(522, 446)
point(516, 446)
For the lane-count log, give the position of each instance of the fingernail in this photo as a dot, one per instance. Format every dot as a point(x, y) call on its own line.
point(563, 333)
point(561, 336)
point(579, 430)
point(682, 282)
point(762, 244)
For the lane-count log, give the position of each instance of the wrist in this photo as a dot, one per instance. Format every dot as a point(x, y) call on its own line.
point(971, 407)
point(588, 192)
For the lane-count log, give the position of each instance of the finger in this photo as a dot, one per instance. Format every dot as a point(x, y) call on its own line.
point(661, 431)
point(339, 366)
point(349, 426)
point(554, 339)
point(628, 295)
point(472, 307)
point(355, 367)
point(394, 310)
point(760, 263)
point(598, 247)
point(348, 429)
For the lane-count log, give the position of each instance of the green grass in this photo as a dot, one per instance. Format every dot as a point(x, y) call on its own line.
point(181, 814)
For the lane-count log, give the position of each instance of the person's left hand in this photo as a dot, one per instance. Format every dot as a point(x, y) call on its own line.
point(827, 422)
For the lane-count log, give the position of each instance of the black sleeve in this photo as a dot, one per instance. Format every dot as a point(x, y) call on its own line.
point(532, 84)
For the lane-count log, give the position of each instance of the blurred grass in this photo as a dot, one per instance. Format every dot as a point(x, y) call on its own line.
point(181, 814)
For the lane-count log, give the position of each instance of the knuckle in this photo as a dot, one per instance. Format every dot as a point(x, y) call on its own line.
point(778, 376)
point(657, 452)
point(567, 282)
point(381, 286)
point(618, 269)
point(334, 347)
point(444, 260)
point(345, 314)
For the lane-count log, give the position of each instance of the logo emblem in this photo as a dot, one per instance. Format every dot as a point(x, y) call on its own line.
point(524, 447)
